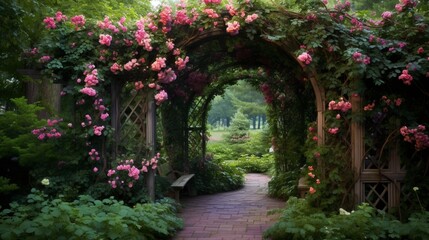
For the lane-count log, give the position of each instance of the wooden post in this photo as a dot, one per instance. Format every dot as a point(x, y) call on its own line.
point(150, 142)
point(358, 145)
point(116, 89)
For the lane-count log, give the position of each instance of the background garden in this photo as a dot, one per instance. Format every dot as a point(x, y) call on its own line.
point(67, 174)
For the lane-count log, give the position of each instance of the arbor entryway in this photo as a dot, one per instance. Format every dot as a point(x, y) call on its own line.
point(321, 73)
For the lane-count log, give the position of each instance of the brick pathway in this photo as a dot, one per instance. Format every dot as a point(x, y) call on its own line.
point(235, 215)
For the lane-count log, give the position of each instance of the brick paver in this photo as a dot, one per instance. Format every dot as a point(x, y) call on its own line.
point(240, 214)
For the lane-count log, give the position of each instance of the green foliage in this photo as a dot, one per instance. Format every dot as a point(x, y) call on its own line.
point(87, 218)
point(6, 186)
point(258, 144)
point(213, 176)
point(299, 220)
point(15, 129)
point(253, 164)
point(239, 129)
point(284, 184)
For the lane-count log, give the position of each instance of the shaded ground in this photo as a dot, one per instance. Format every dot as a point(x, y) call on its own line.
point(240, 214)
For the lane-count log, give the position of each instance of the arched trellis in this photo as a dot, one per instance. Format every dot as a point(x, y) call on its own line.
point(192, 130)
point(285, 47)
point(368, 182)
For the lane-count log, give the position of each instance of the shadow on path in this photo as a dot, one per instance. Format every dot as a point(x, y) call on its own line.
point(240, 214)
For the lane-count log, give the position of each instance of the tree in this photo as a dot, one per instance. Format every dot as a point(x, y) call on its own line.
point(251, 101)
point(239, 130)
point(221, 109)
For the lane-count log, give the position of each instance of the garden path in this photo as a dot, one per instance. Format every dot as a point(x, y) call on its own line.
point(234, 215)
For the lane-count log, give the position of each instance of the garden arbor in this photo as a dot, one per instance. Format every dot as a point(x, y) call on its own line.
point(188, 56)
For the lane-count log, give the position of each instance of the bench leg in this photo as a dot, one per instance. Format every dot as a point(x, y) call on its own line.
point(177, 195)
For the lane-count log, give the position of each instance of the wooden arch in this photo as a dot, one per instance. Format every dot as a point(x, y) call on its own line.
point(286, 47)
point(187, 130)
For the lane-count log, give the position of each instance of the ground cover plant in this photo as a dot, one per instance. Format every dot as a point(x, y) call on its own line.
point(41, 217)
point(301, 221)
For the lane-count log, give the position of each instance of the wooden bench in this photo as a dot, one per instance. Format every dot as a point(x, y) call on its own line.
point(177, 184)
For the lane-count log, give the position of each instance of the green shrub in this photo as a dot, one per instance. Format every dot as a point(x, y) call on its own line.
point(284, 184)
point(253, 164)
point(257, 145)
point(301, 221)
point(87, 218)
point(221, 151)
point(239, 129)
point(6, 186)
point(214, 176)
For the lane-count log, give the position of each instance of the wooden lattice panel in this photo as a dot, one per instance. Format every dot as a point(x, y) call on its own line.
point(195, 130)
point(133, 123)
point(377, 195)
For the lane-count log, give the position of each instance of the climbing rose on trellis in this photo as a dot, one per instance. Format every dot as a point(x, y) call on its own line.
point(341, 105)
point(416, 136)
point(127, 173)
point(305, 58)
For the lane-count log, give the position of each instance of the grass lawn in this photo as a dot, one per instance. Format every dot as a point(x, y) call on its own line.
point(217, 135)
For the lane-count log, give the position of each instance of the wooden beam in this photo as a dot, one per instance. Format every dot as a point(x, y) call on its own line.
point(358, 146)
point(150, 142)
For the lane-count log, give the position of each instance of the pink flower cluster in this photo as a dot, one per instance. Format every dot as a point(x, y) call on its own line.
point(166, 18)
point(405, 4)
point(181, 63)
point(360, 58)
point(305, 58)
point(133, 63)
point(312, 134)
point(159, 64)
point(212, 1)
point(369, 107)
point(45, 59)
point(342, 6)
point(182, 17)
point(167, 76)
point(161, 97)
point(211, 13)
point(107, 24)
point(91, 76)
point(93, 154)
point(233, 28)
point(98, 130)
point(98, 105)
point(49, 23)
point(88, 121)
point(105, 39)
point(78, 21)
point(142, 37)
point(313, 176)
point(88, 91)
point(116, 68)
point(416, 136)
point(333, 131)
point(341, 105)
point(138, 85)
point(406, 77)
point(131, 172)
point(386, 15)
point(48, 132)
point(251, 18)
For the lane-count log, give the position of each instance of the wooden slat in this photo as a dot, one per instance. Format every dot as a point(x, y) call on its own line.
point(181, 181)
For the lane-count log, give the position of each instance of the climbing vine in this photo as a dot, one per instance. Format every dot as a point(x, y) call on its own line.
point(347, 55)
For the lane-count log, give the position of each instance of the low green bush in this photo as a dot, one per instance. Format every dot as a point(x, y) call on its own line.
point(301, 221)
point(87, 218)
point(253, 164)
point(213, 176)
point(284, 184)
